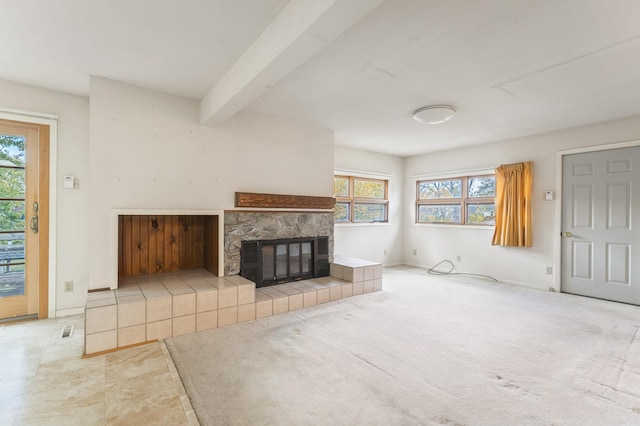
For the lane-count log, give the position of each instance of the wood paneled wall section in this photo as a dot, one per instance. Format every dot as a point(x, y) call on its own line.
point(158, 244)
point(211, 244)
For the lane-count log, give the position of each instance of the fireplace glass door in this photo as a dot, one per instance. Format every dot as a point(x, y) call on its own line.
point(268, 262)
point(286, 261)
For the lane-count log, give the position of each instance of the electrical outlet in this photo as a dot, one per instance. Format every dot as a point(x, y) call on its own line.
point(549, 270)
point(415, 252)
point(459, 258)
point(68, 286)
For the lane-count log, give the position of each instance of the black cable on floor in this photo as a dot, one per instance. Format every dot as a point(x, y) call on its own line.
point(432, 271)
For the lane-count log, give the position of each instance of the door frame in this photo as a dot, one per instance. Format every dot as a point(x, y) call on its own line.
point(51, 121)
point(557, 229)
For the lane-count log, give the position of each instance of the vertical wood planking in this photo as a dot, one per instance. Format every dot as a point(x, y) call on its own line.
point(191, 250)
point(135, 246)
point(120, 246)
point(198, 242)
point(214, 244)
point(144, 245)
point(167, 244)
point(189, 245)
point(152, 259)
point(207, 232)
point(175, 243)
point(185, 244)
point(127, 244)
point(160, 244)
point(210, 244)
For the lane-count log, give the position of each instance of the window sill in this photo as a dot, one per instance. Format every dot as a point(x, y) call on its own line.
point(359, 224)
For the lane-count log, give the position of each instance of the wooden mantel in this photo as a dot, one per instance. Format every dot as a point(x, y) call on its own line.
point(277, 201)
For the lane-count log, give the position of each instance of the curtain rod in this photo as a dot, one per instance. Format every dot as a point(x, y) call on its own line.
point(484, 170)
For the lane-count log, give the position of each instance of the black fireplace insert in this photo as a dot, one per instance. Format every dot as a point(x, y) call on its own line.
point(269, 262)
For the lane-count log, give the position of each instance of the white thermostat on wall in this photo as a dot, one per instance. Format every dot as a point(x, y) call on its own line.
point(69, 182)
point(548, 195)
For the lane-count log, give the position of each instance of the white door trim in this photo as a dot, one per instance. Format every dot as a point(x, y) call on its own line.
point(52, 122)
point(557, 229)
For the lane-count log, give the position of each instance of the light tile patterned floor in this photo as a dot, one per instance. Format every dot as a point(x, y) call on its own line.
point(44, 380)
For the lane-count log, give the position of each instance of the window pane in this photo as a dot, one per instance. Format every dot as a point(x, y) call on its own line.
point(12, 150)
point(11, 182)
point(11, 215)
point(341, 187)
point(369, 212)
point(369, 188)
point(482, 186)
point(12, 257)
point(482, 214)
point(12, 278)
point(341, 212)
point(431, 190)
point(447, 213)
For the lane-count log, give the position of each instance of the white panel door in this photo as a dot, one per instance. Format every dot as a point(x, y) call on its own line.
point(600, 208)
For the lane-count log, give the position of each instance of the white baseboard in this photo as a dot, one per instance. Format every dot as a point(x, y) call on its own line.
point(509, 282)
point(67, 312)
point(525, 285)
point(413, 265)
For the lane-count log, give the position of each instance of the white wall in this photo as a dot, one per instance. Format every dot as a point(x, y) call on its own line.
point(149, 151)
point(72, 208)
point(369, 241)
point(526, 266)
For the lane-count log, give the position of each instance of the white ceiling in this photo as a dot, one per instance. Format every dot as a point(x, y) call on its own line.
point(509, 67)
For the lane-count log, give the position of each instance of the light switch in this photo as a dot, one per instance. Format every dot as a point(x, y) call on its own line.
point(548, 195)
point(69, 182)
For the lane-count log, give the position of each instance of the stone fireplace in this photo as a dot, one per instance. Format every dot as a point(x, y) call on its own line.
point(153, 303)
point(242, 226)
point(159, 241)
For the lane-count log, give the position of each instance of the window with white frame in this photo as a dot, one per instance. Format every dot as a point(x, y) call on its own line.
point(361, 200)
point(462, 200)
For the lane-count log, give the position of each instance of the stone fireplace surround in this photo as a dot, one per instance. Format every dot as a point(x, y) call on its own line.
point(240, 225)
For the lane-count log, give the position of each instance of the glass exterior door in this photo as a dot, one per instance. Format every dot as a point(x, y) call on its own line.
point(19, 221)
point(12, 215)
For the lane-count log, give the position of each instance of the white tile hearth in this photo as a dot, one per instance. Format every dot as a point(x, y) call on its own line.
point(154, 307)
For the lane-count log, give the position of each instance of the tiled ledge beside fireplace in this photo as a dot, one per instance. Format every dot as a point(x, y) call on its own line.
point(151, 307)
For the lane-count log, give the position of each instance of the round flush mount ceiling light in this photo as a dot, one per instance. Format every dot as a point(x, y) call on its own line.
point(435, 114)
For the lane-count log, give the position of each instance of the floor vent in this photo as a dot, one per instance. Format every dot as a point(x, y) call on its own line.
point(67, 331)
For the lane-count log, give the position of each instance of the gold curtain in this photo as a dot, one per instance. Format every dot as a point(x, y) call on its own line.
point(513, 205)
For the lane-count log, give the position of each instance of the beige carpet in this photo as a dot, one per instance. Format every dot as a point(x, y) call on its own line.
point(426, 350)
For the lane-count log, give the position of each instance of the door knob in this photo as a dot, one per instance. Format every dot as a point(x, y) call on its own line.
point(567, 234)
point(33, 223)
